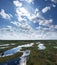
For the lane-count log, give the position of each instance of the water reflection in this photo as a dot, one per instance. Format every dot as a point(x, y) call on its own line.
point(24, 57)
point(18, 61)
point(10, 52)
point(41, 47)
point(15, 50)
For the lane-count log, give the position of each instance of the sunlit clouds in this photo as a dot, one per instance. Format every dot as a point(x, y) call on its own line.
point(44, 10)
point(4, 15)
point(28, 23)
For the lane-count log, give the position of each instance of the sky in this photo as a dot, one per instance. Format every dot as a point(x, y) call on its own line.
point(28, 19)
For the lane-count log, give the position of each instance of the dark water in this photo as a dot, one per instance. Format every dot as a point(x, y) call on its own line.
point(10, 52)
point(11, 62)
point(17, 61)
point(14, 50)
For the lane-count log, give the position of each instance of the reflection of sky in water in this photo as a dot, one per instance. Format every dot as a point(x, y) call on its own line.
point(18, 61)
point(4, 44)
point(16, 49)
point(41, 47)
point(24, 57)
point(12, 51)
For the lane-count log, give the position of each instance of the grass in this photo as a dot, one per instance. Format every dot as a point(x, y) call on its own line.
point(36, 57)
point(44, 57)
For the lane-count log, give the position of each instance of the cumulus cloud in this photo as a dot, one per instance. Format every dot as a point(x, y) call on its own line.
point(28, 1)
point(4, 15)
point(7, 29)
point(45, 22)
point(17, 3)
point(22, 28)
point(55, 1)
point(20, 11)
point(55, 26)
point(22, 36)
point(12, 33)
point(45, 9)
point(53, 5)
point(22, 15)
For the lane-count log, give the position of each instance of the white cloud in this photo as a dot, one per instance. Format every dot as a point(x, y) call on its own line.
point(28, 1)
point(17, 3)
point(55, 26)
point(22, 15)
point(55, 1)
point(45, 22)
point(23, 26)
point(21, 11)
point(47, 8)
point(12, 33)
point(36, 11)
point(24, 30)
point(35, 17)
point(24, 12)
point(51, 35)
point(23, 36)
point(7, 29)
point(5, 15)
point(53, 5)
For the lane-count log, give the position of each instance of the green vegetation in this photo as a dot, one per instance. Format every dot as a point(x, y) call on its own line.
point(36, 57)
point(43, 57)
point(6, 58)
point(17, 43)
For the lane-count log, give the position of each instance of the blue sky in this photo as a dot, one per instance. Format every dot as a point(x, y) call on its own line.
point(28, 19)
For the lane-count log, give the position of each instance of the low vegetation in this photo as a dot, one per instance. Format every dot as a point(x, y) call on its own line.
point(36, 57)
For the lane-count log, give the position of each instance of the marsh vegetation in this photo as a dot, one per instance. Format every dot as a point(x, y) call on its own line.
point(42, 52)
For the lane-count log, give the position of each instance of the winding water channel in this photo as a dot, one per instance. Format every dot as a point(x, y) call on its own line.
point(17, 61)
